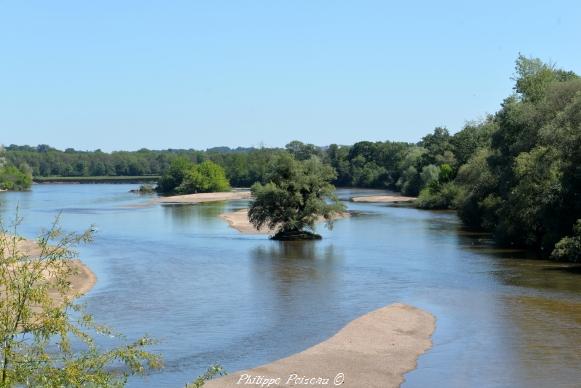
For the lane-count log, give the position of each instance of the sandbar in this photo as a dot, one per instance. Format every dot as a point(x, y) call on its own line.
point(390, 198)
point(205, 197)
point(239, 221)
point(375, 350)
point(82, 278)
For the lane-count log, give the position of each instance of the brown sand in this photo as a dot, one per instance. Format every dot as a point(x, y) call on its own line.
point(82, 280)
point(239, 221)
point(375, 350)
point(205, 197)
point(383, 199)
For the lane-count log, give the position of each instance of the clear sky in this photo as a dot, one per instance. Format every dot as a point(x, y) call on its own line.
point(194, 74)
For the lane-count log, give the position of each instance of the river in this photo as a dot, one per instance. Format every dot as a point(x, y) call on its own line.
point(209, 294)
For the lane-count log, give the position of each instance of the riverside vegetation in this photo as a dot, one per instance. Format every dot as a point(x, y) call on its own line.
point(514, 173)
point(12, 177)
point(47, 340)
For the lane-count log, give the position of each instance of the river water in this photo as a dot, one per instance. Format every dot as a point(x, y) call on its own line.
point(209, 294)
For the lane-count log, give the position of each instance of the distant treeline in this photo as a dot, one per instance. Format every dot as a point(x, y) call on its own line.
point(393, 165)
point(516, 173)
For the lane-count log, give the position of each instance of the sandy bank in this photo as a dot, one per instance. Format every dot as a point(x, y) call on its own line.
point(205, 197)
point(383, 199)
point(82, 279)
point(239, 221)
point(375, 350)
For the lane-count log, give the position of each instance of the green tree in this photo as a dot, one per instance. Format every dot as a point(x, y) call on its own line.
point(474, 136)
point(430, 175)
point(410, 182)
point(533, 76)
point(13, 178)
point(174, 175)
point(569, 247)
point(205, 177)
point(297, 195)
point(302, 151)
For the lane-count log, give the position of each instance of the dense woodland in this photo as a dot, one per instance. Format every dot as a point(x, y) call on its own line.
point(516, 173)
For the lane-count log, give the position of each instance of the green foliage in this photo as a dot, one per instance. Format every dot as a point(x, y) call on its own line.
point(46, 338)
point(533, 77)
point(471, 138)
point(297, 194)
point(430, 175)
point(445, 173)
point(476, 182)
point(439, 147)
point(569, 248)
point(174, 176)
point(442, 196)
point(205, 177)
point(302, 151)
point(185, 177)
point(213, 371)
point(13, 178)
point(525, 187)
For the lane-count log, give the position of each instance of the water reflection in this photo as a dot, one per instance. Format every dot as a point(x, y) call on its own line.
point(190, 214)
point(548, 333)
point(289, 250)
point(287, 263)
point(306, 272)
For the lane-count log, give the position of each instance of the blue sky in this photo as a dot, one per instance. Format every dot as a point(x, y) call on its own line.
point(195, 74)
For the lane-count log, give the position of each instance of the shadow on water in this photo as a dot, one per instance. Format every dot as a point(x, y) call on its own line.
point(573, 269)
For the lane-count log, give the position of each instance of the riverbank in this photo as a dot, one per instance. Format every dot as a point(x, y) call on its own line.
point(375, 350)
point(82, 279)
point(205, 197)
point(239, 220)
point(391, 198)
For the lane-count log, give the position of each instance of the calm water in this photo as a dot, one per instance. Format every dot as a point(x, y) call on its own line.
point(210, 294)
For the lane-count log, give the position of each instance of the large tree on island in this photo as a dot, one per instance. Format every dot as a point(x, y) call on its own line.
point(297, 195)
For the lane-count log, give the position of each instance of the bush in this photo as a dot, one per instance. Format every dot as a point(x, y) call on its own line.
point(185, 177)
point(569, 248)
point(206, 177)
point(12, 178)
point(41, 322)
point(438, 196)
